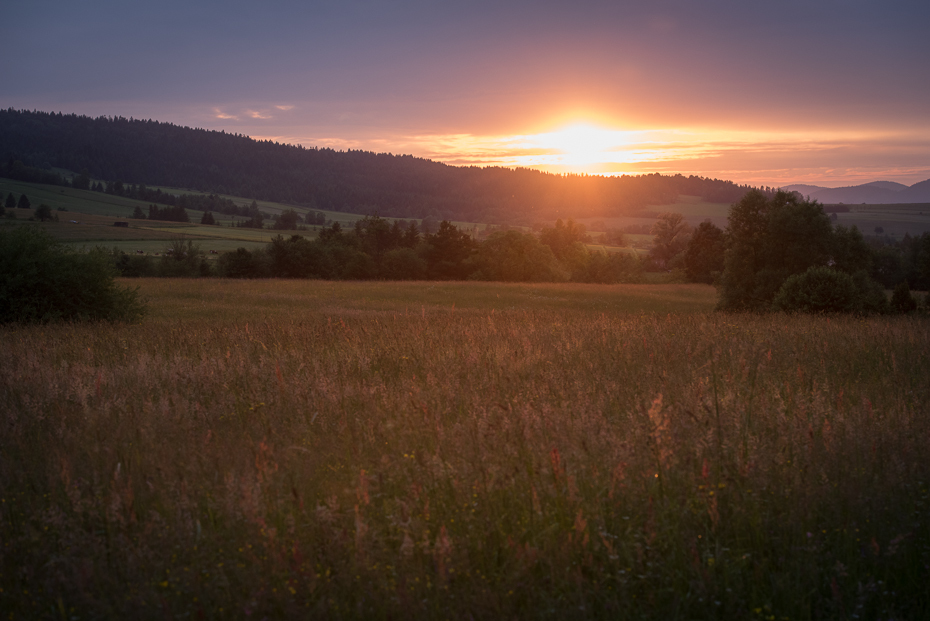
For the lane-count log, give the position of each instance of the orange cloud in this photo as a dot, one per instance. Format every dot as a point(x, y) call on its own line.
point(222, 115)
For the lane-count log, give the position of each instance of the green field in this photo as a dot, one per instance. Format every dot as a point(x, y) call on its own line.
point(692, 208)
point(88, 217)
point(96, 213)
point(896, 220)
point(303, 449)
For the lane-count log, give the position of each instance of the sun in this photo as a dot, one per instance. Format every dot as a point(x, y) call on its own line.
point(579, 146)
point(581, 143)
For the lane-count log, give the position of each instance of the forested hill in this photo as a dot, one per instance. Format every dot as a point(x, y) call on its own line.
point(154, 153)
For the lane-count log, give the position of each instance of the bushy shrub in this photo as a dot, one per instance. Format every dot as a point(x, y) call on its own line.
point(513, 256)
point(130, 265)
point(871, 295)
point(901, 299)
point(610, 268)
point(403, 264)
point(818, 290)
point(41, 280)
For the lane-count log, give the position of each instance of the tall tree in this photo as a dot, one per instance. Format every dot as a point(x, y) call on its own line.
point(770, 239)
point(703, 259)
point(671, 235)
point(447, 251)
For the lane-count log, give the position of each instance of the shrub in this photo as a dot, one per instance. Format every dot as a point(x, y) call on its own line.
point(43, 212)
point(818, 290)
point(901, 300)
point(238, 264)
point(403, 264)
point(610, 268)
point(513, 256)
point(41, 280)
point(872, 298)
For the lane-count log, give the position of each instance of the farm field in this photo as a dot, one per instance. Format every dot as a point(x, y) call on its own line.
point(99, 209)
point(895, 220)
point(693, 208)
point(85, 231)
point(302, 449)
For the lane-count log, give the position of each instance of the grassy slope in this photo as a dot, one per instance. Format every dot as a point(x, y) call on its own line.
point(383, 450)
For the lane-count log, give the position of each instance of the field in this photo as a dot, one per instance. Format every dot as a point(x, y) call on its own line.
point(87, 218)
point(896, 220)
point(692, 208)
point(286, 449)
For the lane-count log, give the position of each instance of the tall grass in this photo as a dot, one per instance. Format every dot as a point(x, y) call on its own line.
point(340, 452)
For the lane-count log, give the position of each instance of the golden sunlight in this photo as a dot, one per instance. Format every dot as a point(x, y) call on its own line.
point(582, 143)
point(579, 147)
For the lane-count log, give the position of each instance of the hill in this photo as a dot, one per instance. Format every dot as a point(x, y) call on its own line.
point(153, 153)
point(874, 193)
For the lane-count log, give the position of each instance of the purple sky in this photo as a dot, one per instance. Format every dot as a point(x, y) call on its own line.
point(825, 92)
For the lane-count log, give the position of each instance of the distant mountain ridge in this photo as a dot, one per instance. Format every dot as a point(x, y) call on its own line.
point(874, 193)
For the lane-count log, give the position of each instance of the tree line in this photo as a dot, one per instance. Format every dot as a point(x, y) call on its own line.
point(140, 153)
point(378, 249)
point(771, 242)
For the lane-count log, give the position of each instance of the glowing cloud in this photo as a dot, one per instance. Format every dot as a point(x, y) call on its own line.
point(284, 108)
point(759, 158)
point(222, 115)
point(258, 115)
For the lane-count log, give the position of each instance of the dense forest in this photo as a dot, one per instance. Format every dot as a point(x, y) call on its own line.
point(138, 153)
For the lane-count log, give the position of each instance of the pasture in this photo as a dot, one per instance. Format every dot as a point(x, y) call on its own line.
point(299, 449)
point(895, 220)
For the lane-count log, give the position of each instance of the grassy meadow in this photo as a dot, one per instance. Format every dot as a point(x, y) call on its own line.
point(299, 449)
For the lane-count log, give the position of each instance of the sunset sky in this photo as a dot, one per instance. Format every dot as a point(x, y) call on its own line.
point(829, 92)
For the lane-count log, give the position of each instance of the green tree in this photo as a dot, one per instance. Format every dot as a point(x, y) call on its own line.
point(239, 264)
point(610, 268)
point(256, 220)
point(703, 258)
point(43, 212)
point(768, 240)
point(183, 258)
point(517, 257)
point(411, 238)
point(566, 242)
point(563, 239)
point(23, 202)
point(81, 181)
point(10, 201)
point(207, 218)
point(41, 280)
point(377, 236)
point(850, 253)
point(901, 299)
point(138, 214)
point(818, 290)
point(446, 252)
point(671, 234)
point(614, 237)
point(287, 221)
point(402, 264)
